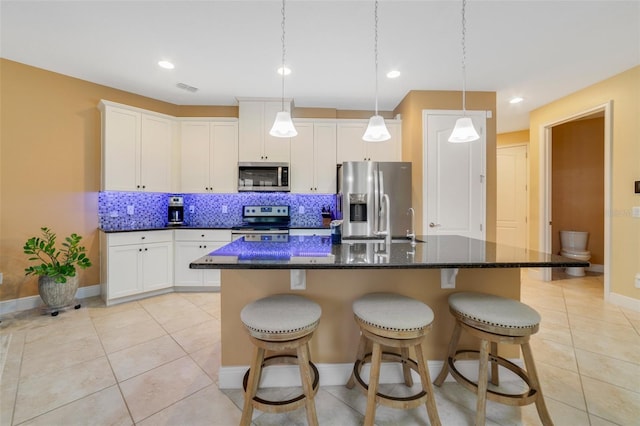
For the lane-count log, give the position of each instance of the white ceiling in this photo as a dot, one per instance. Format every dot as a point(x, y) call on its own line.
point(540, 50)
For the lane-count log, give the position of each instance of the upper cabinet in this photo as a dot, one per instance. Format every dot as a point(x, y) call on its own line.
point(255, 142)
point(313, 157)
point(351, 147)
point(136, 149)
point(209, 160)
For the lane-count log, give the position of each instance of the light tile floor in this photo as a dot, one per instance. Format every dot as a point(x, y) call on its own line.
point(155, 362)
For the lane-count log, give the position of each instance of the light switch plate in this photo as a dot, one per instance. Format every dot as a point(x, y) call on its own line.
point(301, 210)
point(635, 211)
point(130, 210)
point(225, 209)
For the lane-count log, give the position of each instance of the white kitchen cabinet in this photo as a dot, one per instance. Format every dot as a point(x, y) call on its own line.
point(351, 147)
point(136, 149)
point(313, 157)
point(135, 263)
point(209, 160)
point(256, 118)
point(190, 244)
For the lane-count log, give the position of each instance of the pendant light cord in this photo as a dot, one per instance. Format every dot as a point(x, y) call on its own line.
point(375, 49)
point(464, 57)
point(283, 50)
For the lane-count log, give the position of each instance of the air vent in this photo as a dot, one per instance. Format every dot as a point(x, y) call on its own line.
point(187, 87)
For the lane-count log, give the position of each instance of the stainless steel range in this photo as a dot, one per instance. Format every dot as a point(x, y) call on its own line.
point(263, 223)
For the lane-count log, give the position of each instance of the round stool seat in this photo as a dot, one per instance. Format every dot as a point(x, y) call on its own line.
point(280, 315)
point(392, 312)
point(494, 311)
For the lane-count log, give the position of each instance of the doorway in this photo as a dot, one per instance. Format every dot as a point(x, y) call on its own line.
point(547, 229)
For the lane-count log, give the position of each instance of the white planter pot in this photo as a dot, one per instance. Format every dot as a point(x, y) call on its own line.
point(57, 295)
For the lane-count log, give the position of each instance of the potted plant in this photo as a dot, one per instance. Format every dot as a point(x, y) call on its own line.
point(56, 267)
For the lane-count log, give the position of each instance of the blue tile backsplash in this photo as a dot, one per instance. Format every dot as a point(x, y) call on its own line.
point(142, 210)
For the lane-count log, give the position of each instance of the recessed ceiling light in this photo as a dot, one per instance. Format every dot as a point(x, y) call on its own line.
point(286, 71)
point(393, 74)
point(516, 100)
point(166, 64)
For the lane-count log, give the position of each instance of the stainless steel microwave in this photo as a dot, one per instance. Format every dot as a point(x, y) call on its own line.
point(263, 176)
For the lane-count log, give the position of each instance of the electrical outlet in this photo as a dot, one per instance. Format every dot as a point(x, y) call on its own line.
point(192, 209)
point(130, 210)
point(225, 209)
point(301, 210)
point(1, 277)
point(637, 283)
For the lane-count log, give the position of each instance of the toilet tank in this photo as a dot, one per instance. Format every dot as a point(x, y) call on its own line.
point(576, 240)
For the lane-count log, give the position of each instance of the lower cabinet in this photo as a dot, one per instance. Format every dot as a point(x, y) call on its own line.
point(191, 244)
point(135, 262)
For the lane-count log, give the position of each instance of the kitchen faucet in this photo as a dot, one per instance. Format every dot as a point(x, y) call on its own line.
point(411, 233)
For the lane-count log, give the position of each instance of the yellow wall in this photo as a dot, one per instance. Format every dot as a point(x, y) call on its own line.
point(624, 92)
point(411, 108)
point(510, 138)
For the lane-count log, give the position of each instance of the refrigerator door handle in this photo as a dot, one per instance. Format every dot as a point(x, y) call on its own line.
point(376, 204)
point(382, 209)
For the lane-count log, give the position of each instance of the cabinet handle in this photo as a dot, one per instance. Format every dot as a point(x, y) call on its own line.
point(139, 249)
point(144, 238)
point(146, 249)
point(202, 235)
point(144, 186)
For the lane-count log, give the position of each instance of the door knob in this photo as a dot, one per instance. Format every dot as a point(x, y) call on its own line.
point(434, 225)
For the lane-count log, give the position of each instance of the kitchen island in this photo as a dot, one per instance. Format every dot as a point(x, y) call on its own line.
point(334, 275)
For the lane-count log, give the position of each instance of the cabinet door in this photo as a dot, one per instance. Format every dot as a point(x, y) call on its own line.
point(185, 253)
point(211, 277)
point(124, 271)
point(390, 150)
point(324, 148)
point(302, 159)
point(224, 158)
point(194, 146)
point(350, 146)
point(157, 266)
point(275, 149)
point(120, 149)
point(251, 131)
point(155, 137)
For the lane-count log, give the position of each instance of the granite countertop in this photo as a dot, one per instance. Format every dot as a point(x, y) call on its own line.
point(164, 228)
point(317, 252)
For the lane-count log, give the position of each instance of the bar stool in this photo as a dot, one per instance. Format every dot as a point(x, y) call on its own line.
point(494, 319)
point(396, 321)
point(279, 323)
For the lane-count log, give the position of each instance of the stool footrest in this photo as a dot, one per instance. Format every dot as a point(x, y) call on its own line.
point(524, 398)
point(411, 401)
point(289, 404)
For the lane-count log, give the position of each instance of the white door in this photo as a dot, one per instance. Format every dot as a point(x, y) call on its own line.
point(512, 197)
point(454, 176)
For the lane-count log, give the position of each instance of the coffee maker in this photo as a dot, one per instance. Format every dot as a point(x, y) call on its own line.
point(176, 211)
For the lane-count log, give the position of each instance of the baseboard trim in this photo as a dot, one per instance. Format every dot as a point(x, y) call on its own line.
point(338, 374)
point(33, 302)
point(623, 301)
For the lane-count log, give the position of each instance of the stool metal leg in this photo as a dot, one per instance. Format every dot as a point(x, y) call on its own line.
point(535, 383)
point(423, 367)
point(252, 385)
point(483, 379)
point(453, 344)
point(374, 378)
point(305, 374)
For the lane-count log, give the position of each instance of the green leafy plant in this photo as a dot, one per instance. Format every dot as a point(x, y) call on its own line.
point(56, 263)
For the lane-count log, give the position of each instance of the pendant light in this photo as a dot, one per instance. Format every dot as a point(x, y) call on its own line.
point(376, 130)
point(464, 130)
point(283, 125)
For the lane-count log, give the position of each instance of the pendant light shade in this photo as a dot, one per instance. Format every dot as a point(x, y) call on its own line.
point(464, 130)
point(377, 129)
point(283, 126)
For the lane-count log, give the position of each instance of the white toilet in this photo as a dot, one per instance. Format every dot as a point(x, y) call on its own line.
point(574, 246)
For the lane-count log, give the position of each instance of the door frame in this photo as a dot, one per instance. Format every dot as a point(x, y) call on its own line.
point(544, 230)
point(527, 183)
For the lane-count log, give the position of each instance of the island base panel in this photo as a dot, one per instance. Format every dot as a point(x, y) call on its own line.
point(337, 336)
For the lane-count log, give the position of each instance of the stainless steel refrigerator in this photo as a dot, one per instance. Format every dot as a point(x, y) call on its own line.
point(361, 185)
